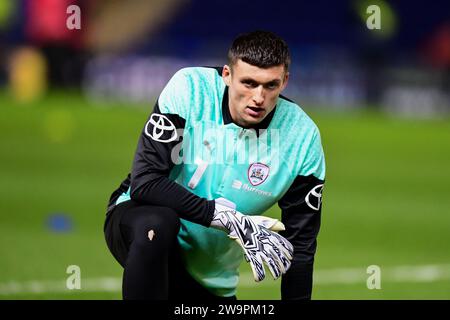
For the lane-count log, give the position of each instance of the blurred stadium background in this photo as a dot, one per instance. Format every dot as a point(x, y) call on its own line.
point(72, 104)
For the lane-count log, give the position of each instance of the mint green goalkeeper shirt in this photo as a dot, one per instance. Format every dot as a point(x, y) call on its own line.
point(280, 161)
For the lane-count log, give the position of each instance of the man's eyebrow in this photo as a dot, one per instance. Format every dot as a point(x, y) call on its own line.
point(274, 81)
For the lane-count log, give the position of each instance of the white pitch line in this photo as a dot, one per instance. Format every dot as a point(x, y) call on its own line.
point(90, 285)
point(423, 273)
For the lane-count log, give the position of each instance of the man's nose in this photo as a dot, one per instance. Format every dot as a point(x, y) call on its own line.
point(258, 96)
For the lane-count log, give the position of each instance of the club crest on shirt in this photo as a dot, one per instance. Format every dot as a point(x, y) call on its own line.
point(257, 173)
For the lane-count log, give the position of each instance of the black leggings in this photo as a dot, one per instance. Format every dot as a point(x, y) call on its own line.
point(143, 239)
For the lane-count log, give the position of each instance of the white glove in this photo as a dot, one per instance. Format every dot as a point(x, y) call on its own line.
point(254, 235)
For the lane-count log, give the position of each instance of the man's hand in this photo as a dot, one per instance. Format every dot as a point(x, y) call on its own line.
point(254, 235)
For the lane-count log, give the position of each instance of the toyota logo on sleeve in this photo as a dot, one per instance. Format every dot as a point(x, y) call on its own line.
point(314, 197)
point(160, 128)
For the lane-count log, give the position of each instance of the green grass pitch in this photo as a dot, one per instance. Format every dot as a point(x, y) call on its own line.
point(386, 200)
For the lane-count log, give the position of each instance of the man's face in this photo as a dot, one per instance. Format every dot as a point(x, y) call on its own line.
point(253, 91)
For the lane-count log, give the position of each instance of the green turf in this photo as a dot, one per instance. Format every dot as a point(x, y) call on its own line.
point(386, 197)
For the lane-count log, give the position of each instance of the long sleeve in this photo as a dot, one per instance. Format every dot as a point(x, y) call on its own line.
point(301, 208)
point(158, 151)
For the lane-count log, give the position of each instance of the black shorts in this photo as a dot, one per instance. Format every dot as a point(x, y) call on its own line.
point(181, 284)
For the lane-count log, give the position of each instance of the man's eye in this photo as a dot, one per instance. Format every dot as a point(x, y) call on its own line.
point(249, 84)
point(272, 86)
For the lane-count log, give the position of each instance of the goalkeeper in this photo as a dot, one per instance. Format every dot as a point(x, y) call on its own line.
point(219, 149)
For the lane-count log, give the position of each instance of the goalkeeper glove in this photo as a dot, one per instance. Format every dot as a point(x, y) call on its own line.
point(254, 235)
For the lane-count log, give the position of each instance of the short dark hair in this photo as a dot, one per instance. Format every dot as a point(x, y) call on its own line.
point(262, 49)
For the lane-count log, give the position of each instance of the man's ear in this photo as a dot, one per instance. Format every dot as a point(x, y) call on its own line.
point(286, 80)
point(226, 74)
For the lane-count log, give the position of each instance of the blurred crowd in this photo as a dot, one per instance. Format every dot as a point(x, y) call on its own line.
point(127, 50)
